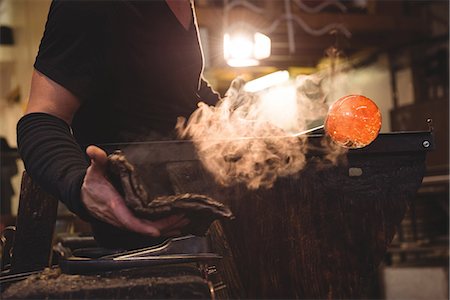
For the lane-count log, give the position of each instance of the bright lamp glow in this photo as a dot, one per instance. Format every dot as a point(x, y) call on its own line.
point(242, 50)
point(262, 46)
point(266, 81)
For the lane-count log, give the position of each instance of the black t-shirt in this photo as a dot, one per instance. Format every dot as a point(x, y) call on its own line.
point(132, 64)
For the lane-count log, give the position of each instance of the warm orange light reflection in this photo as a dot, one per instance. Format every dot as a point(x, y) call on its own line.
point(353, 121)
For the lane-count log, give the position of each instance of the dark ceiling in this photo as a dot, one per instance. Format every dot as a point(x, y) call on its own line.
point(374, 26)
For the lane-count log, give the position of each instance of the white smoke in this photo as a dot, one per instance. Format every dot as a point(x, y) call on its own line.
point(249, 137)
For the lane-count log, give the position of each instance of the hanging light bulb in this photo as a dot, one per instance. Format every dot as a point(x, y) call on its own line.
point(243, 49)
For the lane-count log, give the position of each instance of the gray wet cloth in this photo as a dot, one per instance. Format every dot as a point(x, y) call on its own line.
point(201, 210)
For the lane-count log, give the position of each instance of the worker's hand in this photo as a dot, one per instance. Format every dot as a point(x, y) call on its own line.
point(104, 202)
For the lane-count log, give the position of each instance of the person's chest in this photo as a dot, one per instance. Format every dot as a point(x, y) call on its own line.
point(146, 40)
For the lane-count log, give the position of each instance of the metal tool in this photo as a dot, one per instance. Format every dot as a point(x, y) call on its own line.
point(178, 250)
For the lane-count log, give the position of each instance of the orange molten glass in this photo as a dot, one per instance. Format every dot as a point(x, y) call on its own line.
point(353, 121)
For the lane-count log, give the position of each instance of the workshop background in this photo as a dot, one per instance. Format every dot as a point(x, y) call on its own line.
point(396, 52)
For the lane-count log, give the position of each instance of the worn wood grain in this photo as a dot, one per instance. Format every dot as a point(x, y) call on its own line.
point(318, 235)
point(163, 282)
point(35, 224)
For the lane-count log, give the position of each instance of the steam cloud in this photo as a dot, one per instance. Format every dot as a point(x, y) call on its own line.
point(248, 137)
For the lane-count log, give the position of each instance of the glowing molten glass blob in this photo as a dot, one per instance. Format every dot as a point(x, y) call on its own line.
point(353, 121)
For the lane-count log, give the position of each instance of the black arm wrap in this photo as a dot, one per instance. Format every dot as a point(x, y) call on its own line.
point(53, 159)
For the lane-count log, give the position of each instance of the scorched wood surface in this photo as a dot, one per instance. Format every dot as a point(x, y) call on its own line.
point(169, 282)
point(318, 235)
